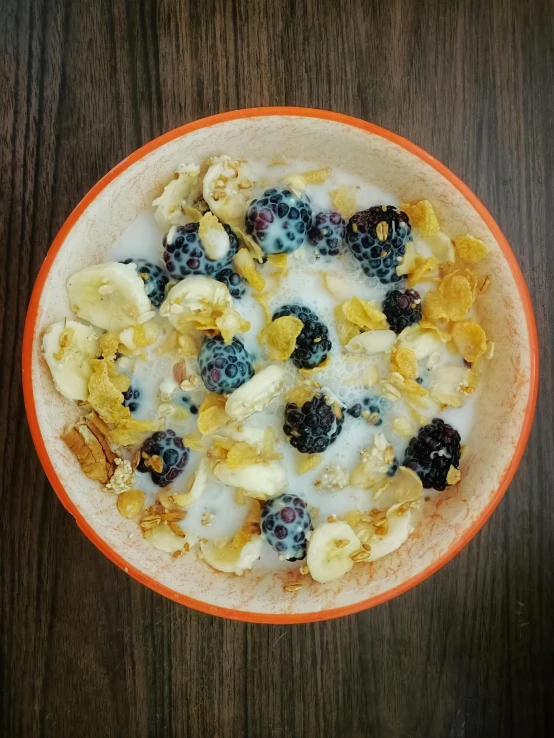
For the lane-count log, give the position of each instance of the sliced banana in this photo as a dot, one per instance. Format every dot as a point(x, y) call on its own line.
point(227, 188)
point(68, 347)
point(164, 539)
point(422, 343)
point(399, 528)
point(329, 550)
point(256, 394)
point(110, 296)
point(244, 433)
point(184, 190)
point(196, 485)
point(371, 342)
point(194, 294)
point(261, 481)
point(232, 560)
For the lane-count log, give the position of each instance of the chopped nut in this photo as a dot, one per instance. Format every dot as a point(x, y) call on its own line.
point(292, 587)
point(360, 555)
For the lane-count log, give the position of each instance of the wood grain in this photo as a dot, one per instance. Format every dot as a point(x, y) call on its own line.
point(85, 650)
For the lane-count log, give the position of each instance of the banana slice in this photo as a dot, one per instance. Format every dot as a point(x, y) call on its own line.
point(196, 485)
point(244, 433)
point(194, 294)
point(183, 190)
point(329, 551)
point(232, 560)
point(164, 539)
point(399, 528)
point(256, 394)
point(68, 347)
point(109, 295)
point(261, 481)
point(227, 188)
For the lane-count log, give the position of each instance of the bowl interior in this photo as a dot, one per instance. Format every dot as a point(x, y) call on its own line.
point(501, 417)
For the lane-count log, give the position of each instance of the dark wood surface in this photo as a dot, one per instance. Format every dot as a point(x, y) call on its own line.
point(87, 651)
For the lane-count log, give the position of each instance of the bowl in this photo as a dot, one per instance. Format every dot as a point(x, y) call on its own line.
point(507, 398)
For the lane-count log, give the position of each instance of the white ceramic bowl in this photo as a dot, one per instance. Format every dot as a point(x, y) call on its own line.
point(507, 397)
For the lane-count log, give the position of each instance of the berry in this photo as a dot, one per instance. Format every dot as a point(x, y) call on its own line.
point(131, 398)
point(432, 452)
point(224, 366)
point(285, 522)
point(174, 455)
point(313, 344)
point(279, 220)
point(314, 426)
point(377, 238)
point(184, 253)
point(235, 283)
point(155, 279)
point(328, 232)
point(402, 309)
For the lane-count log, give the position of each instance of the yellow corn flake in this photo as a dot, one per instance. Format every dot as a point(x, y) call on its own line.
point(364, 315)
point(456, 295)
point(404, 361)
point(278, 260)
point(345, 329)
point(316, 369)
point(352, 517)
point(469, 339)
point(402, 427)
point(470, 249)
point(170, 344)
point(422, 216)
point(454, 475)
point(296, 183)
point(187, 345)
point(300, 394)
point(473, 280)
point(130, 432)
point(193, 441)
point(241, 455)
point(194, 215)
point(317, 176)
point(109, 345)
point(244, 265)
point(343, 199)
point(106, 388)
point(248, 242)
point(211, 414)
point(280, 337)
point(422, 270)
point(307, 462)
point(433, 307)
point(407, 264)
point(262, 298)
point(442, 335)
point(229, 323)
point(471, 380)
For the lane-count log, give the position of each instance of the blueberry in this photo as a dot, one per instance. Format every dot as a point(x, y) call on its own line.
point(278, 221)
point(285, 521)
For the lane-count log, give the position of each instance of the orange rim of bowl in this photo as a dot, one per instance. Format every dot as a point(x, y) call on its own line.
point(28, 337)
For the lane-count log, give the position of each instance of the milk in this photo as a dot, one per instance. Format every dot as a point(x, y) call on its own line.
point(303, 285)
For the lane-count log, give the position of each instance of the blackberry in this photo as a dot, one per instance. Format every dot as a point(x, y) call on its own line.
point(235, 283)
point(314, 426)
point(313, 344)
point(279, 220)
point(174, 455)
point(402, 309)
point(224, 366)
point(131, 398)
point(377, 238)
point(285, 523)
point(155, 279)
point(184, 253)
point(432, 452)
point(328, 232)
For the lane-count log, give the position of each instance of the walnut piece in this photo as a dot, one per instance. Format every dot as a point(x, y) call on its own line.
point(88, 441)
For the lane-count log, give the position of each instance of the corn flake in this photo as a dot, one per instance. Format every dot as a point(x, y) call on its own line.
point(244, 265)
point(109, 345)
point(300, 394)
point(345, 329)
point(263, 299)
point(241, 455)
point(404, 361)
point(343, 199)
point(422, 216)
point(129, 432)
point(193, 214)
point(280, 337)
point(193, 441)
point(454, 475)
point(211, 414)
point(443, 335)
point(364, 315)
point(422, 270)
point(456, 295)
point(317, 176)
point(316, 369)
point(402, 427)
point(470, 249)
point(106, 388)
point(278, 260)
point(229, 323)
point(307, 462)
point(248, 242)
point(407, 264)
point(433, 306)
point(469, 340)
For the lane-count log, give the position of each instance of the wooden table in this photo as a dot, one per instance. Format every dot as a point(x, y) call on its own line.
point(87, 651)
